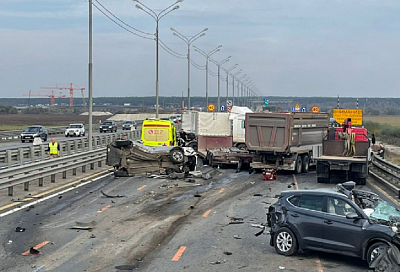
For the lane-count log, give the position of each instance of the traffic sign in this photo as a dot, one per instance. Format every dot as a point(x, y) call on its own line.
point(356, 116)
point(229, 103)
point(315, 109)
point(211, 107)
point(297, 105)
point(303, 109)
point(228, 109)
point(222, 108)
point(293, 109)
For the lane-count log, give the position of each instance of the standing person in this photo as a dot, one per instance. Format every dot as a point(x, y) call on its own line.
point(381, 150)
point(53, 149)
point(183, 135)
point(373, 140)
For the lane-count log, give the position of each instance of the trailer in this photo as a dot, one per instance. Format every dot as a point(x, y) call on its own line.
point(285, 141)
point(345, 155)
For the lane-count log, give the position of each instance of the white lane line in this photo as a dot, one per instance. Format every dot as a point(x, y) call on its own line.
point(53, 195)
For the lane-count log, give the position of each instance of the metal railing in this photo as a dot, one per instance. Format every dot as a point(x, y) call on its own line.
point(388, 174)
point(11, 158)
point(25, 173)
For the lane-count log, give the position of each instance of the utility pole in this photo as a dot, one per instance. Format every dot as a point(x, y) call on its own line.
point(90, 137)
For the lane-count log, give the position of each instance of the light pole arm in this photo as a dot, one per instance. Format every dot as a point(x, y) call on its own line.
point(159, 17)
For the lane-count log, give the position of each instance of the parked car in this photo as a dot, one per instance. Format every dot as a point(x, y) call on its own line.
point(34, 131)
point(108, 126)
point(128, 125)
point(343, 221)
point(75, 130)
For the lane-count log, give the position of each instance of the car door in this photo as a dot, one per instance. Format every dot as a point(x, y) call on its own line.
point(306, 217)
point(342, 234)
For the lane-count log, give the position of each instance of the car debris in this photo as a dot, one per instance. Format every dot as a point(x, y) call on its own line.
point(229, 156)
point(9, 242)
point(258, 195)
point(84, 225)
point(33, 251)
point(111, 196)
point(92, 236)
point(269, 174)
point(218, 262)
point(237, 236)
point(228, 253)
point(236, 220)
point(30, 208)
point(387, 259)
point(19, 229)
point(126, 267)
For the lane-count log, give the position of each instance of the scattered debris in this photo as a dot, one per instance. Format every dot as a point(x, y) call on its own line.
point(92, 236)
point(258, 195)
point(281, 267)
point(33, 251)
point(191, 207)
point(289, 186)
point(197, 195)
point(252, 182)
point(227, 253)
point(237, 237)
point(260, 232)
point(191, 180)
point(30, 208)
point(39, 268)
point(84, 226)
point(139, 260)
point(125, 267)
point(236, 220)
point(265, 202)
point(60, 196)
point(18, 229)
point(196, 174)
point(9, 242)
point(175, 175)
point(218, 262)
point(111, 196)
point(257, 226)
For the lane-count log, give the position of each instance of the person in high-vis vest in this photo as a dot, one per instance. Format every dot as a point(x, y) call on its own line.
point(53, 149)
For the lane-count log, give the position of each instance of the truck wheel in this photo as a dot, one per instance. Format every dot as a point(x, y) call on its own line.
point(176, 155)
point(298, 165)
point(306, 164)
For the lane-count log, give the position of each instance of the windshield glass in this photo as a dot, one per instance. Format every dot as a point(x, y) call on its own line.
point(128, 122)
point(107, 123)
point(32, 129)
point(75, 126)
point(384, 211)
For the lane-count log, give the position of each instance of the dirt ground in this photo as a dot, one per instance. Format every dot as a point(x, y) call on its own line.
point(8, 121)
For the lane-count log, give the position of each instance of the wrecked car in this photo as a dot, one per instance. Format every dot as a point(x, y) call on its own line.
point(342, 220)
point(130, 158)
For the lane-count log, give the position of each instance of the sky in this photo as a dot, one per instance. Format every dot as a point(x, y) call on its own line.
point(286, 47)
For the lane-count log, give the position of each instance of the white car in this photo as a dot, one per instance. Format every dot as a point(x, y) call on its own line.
point(75, 130)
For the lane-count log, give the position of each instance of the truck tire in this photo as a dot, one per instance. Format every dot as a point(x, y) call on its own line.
point(306, 164)
point(242, 146)
point(122, 143)
point(177, 155)
point(299, 165)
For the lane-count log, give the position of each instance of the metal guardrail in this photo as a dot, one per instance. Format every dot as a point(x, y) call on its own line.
point(25, 173)
point(389, 174)
point(11, 158)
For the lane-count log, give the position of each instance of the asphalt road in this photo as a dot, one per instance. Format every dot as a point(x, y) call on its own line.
point(159, 225)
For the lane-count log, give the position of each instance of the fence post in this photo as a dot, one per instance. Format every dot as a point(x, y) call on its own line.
point(42, 152)
point(26, 186)
point(21, 155)
point(53, 178)
point(40, 182)
point(10, 191)
point(76, 146)
point(9, 159)
point(74, 171)
point(32, 153)
point(61, 149)
point(68, 147)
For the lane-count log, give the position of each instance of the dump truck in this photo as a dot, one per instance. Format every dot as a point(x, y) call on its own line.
point(285, 141)
point(345, 155)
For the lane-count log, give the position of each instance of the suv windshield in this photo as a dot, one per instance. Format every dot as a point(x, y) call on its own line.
point(107, 123)
point(128, 122)
point(75, 126)
point(32, 129)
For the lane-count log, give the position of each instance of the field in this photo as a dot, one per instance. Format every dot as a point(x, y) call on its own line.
point(21, 121)
point(389, 119)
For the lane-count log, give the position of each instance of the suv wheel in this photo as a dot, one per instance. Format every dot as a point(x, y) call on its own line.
point(285, 242)
point(177, 155)
point(374, 251)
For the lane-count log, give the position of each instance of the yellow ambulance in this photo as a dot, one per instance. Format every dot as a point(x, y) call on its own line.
point(158, 133)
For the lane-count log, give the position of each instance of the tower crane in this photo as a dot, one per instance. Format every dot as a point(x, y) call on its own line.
point(52, 96)
point(71, 89)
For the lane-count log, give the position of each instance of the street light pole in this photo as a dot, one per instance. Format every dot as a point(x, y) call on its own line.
point(157, 17)
point(219, 78)
point(227, 79)
point(207, 56)
point(240, 91)
point(233, 85)
point(189, 42)
point(90, 137)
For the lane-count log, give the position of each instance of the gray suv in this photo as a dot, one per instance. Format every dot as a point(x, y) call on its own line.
point(31, 132)
point(110, 126)
point(343, 221)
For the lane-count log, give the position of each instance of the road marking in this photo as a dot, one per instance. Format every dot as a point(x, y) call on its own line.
point(383, 192)
point(295, 182)
point(206, 213)
point(53, 195)
point(319, 265)
point(68, 184)
point(27, 199)
point(36, 247)
point(104, 209)
point(178, 254)
point(142, 187)
point(10, 205)
point(221, 191)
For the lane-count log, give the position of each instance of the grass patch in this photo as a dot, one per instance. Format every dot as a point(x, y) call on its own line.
point(389, 119)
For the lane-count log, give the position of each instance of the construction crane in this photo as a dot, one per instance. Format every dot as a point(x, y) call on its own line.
point(52, 96)
point(71, 89)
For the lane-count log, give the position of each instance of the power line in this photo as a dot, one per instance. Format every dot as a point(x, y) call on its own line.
point(123, 21)
point(120, 24)
point(183, 55)
point(171, 53)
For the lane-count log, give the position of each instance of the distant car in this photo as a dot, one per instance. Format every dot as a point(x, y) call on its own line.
point(343, 221)
point(110, 126)
point(75, 130)
point(34, 131)
point(128, 125)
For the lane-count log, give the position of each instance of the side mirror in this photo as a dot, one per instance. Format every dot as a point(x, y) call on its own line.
point(352, 216)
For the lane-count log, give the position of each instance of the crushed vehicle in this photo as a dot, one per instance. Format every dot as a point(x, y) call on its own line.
point(75, 130)
point(342, 220)
point(229, 156)
point(130, 158)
